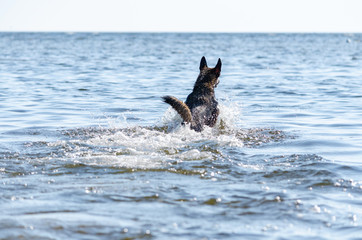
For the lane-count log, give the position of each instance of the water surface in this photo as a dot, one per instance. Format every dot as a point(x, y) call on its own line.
point(89, 151)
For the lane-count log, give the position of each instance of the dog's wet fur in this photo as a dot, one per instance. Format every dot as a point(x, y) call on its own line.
point(200, 108)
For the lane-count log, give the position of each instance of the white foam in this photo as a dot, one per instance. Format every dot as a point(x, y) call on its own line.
point(133, 161)
point(195, 154)
point(153, 147)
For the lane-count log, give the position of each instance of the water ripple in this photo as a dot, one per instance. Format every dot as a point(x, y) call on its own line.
point(89, 150)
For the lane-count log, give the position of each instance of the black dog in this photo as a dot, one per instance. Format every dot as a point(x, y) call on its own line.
point(200, 107)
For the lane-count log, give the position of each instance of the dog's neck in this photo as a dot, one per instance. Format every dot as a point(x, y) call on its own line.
point(204, 88)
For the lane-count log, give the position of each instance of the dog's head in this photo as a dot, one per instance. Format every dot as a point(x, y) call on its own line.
point(208, 77)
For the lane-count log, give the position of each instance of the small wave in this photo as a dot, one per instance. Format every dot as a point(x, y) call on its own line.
point(144, 147)
point(162, 146)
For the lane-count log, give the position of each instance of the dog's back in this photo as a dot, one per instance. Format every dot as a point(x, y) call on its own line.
point(200, 107)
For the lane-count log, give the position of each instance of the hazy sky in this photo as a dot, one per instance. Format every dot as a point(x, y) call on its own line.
point(182, 15)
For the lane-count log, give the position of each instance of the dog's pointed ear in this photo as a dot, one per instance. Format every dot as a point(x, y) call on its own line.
point(217, 68)
point(203, 63)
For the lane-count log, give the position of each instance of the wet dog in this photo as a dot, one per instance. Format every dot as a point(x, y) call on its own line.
point(200, 108)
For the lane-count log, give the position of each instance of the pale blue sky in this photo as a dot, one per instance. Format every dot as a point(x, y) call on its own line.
point(181, 15)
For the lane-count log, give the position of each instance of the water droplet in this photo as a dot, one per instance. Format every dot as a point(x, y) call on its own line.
point(316, 209)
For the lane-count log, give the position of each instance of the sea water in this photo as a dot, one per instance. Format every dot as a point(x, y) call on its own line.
point(88, 150)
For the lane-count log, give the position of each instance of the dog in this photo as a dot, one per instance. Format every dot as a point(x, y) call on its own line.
point(201, 107)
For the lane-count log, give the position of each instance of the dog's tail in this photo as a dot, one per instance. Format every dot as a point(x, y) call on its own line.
point(180, 107)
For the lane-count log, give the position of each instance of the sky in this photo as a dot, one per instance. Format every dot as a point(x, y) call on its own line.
point(181, 15)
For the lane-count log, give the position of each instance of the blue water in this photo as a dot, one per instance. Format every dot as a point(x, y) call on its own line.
point(89, 151)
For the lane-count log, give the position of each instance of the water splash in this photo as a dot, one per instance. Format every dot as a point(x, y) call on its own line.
point(160, 145)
